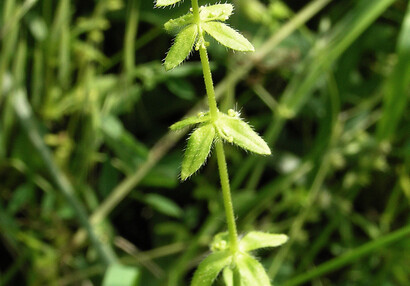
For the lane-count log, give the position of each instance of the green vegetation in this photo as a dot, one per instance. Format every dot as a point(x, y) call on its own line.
point(230, 254)
point(90, 191)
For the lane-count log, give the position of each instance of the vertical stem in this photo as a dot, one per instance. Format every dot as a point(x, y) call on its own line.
point(209, 85)
point(129, 39)
point(208, 82)
point(226, 192)
point(195, 10)
point(220, 154)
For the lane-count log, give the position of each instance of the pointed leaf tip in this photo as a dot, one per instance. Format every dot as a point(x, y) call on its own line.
point(236, 131)
point(217, 12)
point(251, 271)
point(228, 36)
point(163, 3)
point(200, 118)
point(257, 239)
point(181, 48)
point(210, 267)
point(198, 149)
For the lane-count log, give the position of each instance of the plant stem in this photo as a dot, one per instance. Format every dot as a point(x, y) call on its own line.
point(209, 85)
point(220, 154)
point(195, 10)
point(226, 192)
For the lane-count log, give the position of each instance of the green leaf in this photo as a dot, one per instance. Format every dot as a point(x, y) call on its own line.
point(227, 36)
point(257, 239)
point(174, 25)
point(179, 51)
point(218, 12)
point(163, 205)
point(20, 196)
point(251, 271)
point(201, 117)
point(199, 146)
point(163, 3)
point(120, 275)
point(234, 130)
point(228, 276)
point(210, 267)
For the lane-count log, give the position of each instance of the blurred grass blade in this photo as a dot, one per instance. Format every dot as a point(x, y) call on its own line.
point(324, 55)
point(130, 36)
point(397, 89)
point(25, 115)
point(163, 205)
point(350, 256)
point(12, 19)
point(64, 66)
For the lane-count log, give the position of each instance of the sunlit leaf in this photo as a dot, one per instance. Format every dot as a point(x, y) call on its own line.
point(257, 239)
point(199, 146)
point(251, 271)
point(227, 36)
point(162, 3)
point(228, 276)
point(210, 267)
point(182, 46)
point(218, 12)
point(121, 275)
point(201, 117)
point(174, 25)
point(236, 131)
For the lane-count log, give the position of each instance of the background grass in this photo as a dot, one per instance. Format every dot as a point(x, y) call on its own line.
point(89, 169)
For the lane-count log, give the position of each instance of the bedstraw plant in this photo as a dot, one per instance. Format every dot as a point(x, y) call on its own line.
point(231, 254)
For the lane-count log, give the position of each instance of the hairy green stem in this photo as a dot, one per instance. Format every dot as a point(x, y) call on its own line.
point(209, 85)
point(213, 109)
point(195, 10)
point(226, 191)
point(220, 154)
